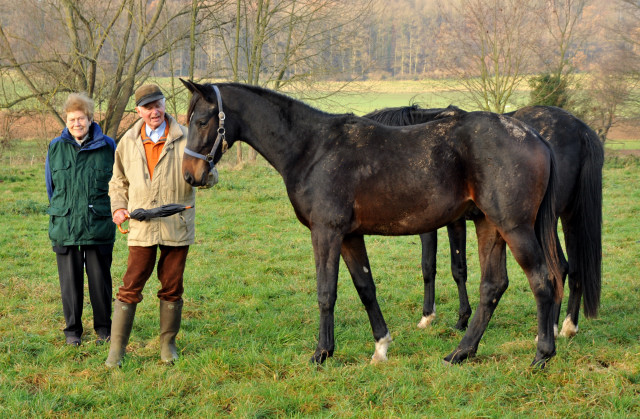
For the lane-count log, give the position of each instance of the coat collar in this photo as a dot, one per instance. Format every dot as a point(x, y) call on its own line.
point(175, 133)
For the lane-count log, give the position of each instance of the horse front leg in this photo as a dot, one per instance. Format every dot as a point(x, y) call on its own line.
point(429, 249)
point(457, 231)
point(354, 254)
point(493, 284)
point(326, 250)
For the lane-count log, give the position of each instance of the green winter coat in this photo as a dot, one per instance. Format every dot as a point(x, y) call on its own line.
point(77, 179)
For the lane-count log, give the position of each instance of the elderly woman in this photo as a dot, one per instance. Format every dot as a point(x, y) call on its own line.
point(78, 168)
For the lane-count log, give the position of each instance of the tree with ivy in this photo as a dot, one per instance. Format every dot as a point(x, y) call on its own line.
point(549, 90)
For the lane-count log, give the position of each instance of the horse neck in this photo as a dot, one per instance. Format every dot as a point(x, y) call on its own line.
point(283, 130)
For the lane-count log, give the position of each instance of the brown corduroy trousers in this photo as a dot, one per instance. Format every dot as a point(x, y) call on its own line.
point(140, 266)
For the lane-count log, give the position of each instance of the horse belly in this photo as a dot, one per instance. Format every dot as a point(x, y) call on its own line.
point(405, 216)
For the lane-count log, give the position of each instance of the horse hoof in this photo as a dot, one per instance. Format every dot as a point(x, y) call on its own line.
point(461, 325)
point(539, 364)
point(426, 321)
point(320, 356)
point(569, 329)
point(380, 354)
point(463, 321)
point(457, 356)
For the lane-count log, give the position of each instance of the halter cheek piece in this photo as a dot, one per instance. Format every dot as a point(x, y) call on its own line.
point(221, 135)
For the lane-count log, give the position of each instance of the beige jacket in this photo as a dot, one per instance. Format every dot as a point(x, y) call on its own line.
point(131, 188)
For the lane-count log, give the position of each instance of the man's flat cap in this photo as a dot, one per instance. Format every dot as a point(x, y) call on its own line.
point(148, 93)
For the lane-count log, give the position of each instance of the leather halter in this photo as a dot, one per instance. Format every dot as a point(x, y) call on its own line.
point(221, 135)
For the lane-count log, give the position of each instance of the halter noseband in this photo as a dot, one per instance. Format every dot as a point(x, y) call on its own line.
point(221, 134)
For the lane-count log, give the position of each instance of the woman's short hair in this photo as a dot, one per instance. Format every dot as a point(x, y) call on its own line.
point(79, 102)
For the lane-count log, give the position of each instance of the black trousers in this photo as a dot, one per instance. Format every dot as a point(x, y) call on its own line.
point(72, 261)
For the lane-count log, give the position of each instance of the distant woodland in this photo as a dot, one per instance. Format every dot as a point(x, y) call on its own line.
point(108, 48)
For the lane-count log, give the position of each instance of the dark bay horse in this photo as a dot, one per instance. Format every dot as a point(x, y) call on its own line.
point(347, 177)
point(580, 157)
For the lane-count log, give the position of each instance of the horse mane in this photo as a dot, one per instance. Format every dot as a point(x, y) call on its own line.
point(257, 90)
point(399, 116)
point(411, 115)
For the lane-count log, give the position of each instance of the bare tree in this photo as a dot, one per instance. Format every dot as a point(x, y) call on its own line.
point(562, 20)
point(557, 49)
point(487, 48)
point(627, 31)
point(103, 48)
point(614, 72)
point(285, 43)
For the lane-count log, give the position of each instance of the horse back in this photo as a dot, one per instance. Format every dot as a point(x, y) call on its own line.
point(374, 179)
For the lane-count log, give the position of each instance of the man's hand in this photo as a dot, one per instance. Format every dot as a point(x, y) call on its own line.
point(120, 216)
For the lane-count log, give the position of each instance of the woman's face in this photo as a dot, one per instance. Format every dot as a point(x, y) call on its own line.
point(78, 124)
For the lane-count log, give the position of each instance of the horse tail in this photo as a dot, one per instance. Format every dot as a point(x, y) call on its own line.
point(546, 228)
point(584, 223)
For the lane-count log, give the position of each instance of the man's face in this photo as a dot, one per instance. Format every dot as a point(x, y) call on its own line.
point(152, 113)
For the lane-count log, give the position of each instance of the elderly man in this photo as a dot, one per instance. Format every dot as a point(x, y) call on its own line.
point(147, 173)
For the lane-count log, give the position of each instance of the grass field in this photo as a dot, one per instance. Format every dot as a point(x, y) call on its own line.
point(366, 96)
point(250, 322)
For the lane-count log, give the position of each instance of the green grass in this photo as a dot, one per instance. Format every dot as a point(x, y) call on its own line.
point(363, 97)
point(623, 145)
point(251, 321)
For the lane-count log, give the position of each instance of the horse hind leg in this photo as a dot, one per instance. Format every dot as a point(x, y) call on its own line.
point(570, 323)
point(429, 249)
point(354, 254)
point(564, 265)
point(457, 231)
point(493, 284)
point(527, 252)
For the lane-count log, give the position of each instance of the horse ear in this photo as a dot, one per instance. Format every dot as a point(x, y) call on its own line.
point(195, 88)
point(189, 85)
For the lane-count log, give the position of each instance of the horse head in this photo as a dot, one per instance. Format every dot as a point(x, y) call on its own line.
point(206, 142)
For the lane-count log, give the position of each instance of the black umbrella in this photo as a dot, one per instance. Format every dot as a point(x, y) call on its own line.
point(142, 214)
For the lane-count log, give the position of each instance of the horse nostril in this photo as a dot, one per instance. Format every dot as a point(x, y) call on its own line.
point(187, 178)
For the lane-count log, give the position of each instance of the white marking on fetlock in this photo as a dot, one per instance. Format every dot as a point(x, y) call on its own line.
point(366, 270)
point(380, 355)
point(426, 321)
point(569, 329)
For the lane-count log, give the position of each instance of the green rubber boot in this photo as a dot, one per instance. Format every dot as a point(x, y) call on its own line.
point(170, 317)
point(121, 324)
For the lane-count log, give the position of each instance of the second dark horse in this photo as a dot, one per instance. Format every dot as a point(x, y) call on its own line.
point(580, 157)
point(348, 177)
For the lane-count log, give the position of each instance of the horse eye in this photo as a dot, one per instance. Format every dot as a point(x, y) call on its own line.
point(202, 123)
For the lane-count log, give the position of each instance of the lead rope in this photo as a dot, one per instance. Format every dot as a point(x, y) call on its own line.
point(221, 134)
